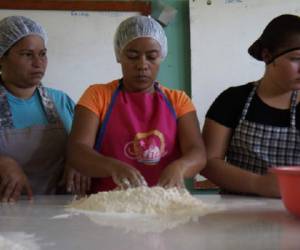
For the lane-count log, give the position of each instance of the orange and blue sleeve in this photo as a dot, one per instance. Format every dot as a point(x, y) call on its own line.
point(181, 102)
point(97, 98)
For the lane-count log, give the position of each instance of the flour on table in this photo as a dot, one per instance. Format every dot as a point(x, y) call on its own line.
point(144, 206)
point(142, 200)
point(17, 241)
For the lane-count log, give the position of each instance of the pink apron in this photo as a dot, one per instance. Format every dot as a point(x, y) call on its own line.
point(141, 130)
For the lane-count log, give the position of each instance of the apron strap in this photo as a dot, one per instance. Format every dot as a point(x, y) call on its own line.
point(171, 108)
point(6, 120)
point(293, 108)
point(247, 104)
point(49, 106)
point(100, 134)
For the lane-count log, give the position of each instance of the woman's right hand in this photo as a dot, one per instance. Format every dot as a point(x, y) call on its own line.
point(267, 185)
point(126, 176)
point(12, 181)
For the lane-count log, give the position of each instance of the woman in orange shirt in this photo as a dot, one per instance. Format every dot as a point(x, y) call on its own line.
point(133, 131)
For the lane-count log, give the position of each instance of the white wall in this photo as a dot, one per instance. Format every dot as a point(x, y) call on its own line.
point(220, 36)
point(80, 47)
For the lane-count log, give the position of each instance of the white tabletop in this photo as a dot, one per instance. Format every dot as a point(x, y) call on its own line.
point(241, 223)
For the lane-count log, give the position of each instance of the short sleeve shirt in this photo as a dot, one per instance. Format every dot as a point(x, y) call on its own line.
point(30, 112)
point(228, 106)
point(98, 97)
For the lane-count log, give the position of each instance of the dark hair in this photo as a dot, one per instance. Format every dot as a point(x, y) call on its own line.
point(278, 37)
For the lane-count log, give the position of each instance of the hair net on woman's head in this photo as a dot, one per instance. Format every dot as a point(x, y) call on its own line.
point(13, 28)
point(139, 26)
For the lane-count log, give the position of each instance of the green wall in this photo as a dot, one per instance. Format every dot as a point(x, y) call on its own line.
point(175, 71)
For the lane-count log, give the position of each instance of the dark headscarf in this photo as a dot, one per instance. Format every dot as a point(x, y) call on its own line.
point(280, 36)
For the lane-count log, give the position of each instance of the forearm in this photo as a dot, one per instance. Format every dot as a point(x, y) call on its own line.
point(217, 139)
point(6, 161)
point(230, 177)
point(192, 162)
point(89, 162)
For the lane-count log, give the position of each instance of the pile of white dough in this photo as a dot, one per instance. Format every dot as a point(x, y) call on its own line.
point(155, 201)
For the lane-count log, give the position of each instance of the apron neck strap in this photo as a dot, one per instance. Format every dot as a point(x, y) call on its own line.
point(249, 99)
point(48, 105)
point(6, 120)
point(293, 109)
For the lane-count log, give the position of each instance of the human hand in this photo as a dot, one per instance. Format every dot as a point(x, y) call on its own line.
point(76, 182)
point(12, 181)
point(267, 185)
point(127, 176)
point(172, 176)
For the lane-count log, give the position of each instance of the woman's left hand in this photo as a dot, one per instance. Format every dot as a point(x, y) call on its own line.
point(172, 176)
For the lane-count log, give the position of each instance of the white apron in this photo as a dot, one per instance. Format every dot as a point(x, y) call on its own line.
point(39, 150)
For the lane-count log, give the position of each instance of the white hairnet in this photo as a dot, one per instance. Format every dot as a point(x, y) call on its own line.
point(13, 28)
point(139, 26)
